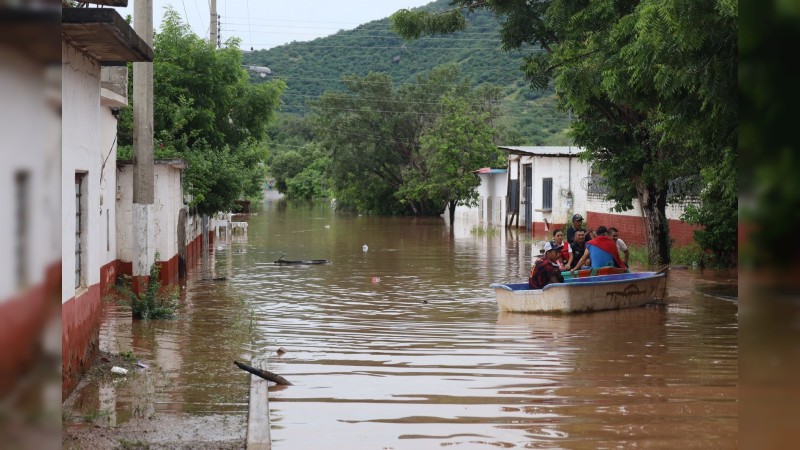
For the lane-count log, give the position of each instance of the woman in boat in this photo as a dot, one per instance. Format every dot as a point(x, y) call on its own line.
point(545, 270)
point(565, 259)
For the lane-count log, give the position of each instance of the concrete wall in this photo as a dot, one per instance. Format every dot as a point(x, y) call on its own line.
point(566, 174)
point(168, 203)
point(34, 150)
point(491, 207)
point(81, 151)
point(29, 284)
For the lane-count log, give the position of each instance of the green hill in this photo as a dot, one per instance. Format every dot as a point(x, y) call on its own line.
point(311, 68)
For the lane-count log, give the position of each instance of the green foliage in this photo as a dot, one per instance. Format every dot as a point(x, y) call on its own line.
point(207, 112)
point(285, 166)
point(719, 217)
point(388, 157)
point(452, 149)
point(153, 303)
point(413, 24)
point(480, 230)
point(652, 84)
point(691, 255)
point(312, 68)
point(128, 356)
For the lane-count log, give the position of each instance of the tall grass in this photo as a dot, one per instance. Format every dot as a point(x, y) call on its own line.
point(481, 231)
point(684, 255)
point(154, 302)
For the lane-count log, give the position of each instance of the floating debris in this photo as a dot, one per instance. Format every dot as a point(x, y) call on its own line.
point(365, 248)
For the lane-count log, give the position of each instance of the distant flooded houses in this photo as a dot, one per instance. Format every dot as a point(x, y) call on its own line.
point(542, 187)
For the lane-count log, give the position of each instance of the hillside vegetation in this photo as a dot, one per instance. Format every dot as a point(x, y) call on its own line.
point(311, 68)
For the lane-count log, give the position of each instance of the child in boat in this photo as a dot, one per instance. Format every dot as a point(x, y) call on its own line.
point(545, 269)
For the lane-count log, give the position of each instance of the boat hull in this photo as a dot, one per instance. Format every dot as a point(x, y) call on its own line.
point(628, 290)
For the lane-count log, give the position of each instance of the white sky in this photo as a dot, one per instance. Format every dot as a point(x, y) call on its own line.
point(265, 24)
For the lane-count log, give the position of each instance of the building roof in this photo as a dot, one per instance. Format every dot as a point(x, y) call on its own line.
point(541, 150)
point(105, 35)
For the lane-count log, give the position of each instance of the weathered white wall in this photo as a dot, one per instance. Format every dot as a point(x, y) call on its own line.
point(673, 211)
point(566, 174)
point(167, 204)
point(124, 207)
point(108, 179)
point(81, 143)
point(30, 144)
point(492, 188)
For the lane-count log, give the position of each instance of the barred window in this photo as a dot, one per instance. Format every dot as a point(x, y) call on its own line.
point(547, 193)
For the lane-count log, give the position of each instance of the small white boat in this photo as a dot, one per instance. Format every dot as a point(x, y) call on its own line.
point(625, 290)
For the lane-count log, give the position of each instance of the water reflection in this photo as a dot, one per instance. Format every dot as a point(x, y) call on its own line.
point(422, 358)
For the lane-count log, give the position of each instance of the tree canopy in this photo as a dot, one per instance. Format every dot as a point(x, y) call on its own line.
point(396, 149)
point(314, 67)
point(206, 111)
point(652, 84)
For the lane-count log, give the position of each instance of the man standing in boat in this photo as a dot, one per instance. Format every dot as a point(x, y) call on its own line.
point(577, 224)
point(545, 269)
point(602, 250)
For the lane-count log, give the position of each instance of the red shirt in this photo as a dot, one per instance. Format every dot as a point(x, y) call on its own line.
point(541, 272)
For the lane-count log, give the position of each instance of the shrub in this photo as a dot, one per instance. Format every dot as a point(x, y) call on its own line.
point(153, 303)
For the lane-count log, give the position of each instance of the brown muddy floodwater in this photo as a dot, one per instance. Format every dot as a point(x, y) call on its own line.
point(403, 347)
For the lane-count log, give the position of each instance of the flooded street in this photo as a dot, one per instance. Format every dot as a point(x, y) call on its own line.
point(402, 346)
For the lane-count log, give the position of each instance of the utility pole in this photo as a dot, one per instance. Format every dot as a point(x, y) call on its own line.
point(143, 189)
point(214, 28)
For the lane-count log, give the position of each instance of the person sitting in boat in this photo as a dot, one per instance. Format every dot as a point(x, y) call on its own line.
point(602, 251)
point(545, 269)
point(578, 249)
point(565, 260)
point(577, 224)
point(621, 246)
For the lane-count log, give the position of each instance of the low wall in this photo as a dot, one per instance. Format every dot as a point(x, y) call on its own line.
point(632, 228)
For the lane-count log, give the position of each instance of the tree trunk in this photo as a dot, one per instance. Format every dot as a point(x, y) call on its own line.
point(654, 204)
point(452, 206)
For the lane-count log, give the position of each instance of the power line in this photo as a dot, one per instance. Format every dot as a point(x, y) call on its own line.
point(248, 24)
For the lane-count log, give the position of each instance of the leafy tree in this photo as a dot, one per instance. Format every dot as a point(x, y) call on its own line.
point(372, 47)
point(373, 134)
point(651, 82)
point(206, 111)
point(452, 149)
point(285, 166)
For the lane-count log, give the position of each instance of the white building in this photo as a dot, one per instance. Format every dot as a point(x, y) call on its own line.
point(543, 187)
point(29, 188)
point(175, 229)
point(92, 38)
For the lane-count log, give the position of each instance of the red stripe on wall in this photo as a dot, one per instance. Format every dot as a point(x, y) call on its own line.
point(80, 322)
